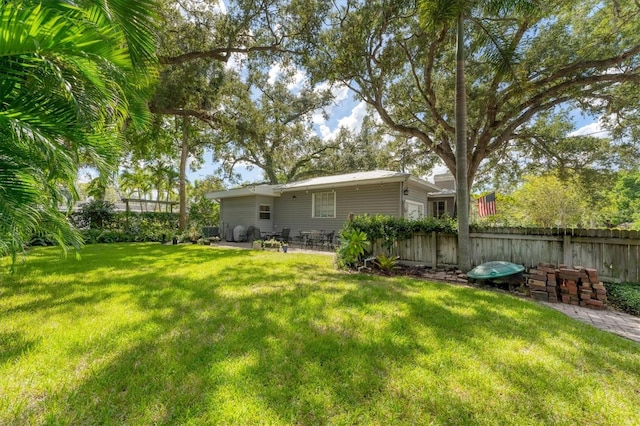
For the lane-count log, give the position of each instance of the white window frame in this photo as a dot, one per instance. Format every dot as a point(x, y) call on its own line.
point(313, 205)
point(268, 211)
point(414, 204)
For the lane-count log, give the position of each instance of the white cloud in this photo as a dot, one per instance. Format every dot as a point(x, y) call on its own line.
point(296, 75)
point(235, 62)
point(352, 122)
point(298, 78)
point(340, 94)
point(592, 129)
point(274, 73)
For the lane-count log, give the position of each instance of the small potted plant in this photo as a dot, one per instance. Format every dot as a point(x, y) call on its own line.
point(272, 244)
point(285, 246)
point(257, 244)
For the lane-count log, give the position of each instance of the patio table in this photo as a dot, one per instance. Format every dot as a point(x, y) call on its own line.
point(311, 238)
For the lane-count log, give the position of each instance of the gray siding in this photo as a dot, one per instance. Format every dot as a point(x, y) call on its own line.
point(449, 205)
point(295, 213)
point(264, 224)
point(416, 194)
point(237, 211)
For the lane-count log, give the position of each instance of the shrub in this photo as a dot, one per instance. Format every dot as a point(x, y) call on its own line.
point(95, 236)
point(625, 296)
point(98, 213)
point(386, 263)
point(204, 212)
point(354, 244)
point(389, 227)
point(126, 227)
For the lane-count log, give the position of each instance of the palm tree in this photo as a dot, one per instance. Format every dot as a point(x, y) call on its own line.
point(71, 76)
point(441, 14)
point(172, 181)
point(136, 183)
point(165, 178)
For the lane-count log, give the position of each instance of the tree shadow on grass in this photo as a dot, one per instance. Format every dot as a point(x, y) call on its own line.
point(76, 283)
point(13, 344)
point(308, 345)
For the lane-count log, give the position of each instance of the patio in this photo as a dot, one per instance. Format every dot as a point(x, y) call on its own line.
point(294, 247)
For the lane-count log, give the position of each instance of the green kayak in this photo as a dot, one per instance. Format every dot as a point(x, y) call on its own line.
point(493, 270)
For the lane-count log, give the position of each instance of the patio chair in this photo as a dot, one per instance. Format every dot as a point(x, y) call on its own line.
point(300, 239)
point(327, 241)
point(315, 238)
point(284, 235)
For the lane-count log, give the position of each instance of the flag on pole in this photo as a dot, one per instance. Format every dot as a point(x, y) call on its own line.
point(487, 205)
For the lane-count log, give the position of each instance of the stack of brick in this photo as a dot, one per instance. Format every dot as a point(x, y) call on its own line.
point(543, 283)
point(581, 286)
point(575, 286)
point(569, 280)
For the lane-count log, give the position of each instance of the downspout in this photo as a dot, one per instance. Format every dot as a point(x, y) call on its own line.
point(402, 209)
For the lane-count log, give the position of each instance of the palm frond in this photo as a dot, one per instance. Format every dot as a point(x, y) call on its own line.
point(71, 72)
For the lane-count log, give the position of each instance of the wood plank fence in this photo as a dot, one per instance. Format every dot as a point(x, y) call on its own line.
point(615, 254)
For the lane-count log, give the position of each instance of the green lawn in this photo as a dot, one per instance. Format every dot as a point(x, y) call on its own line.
point(152, 334)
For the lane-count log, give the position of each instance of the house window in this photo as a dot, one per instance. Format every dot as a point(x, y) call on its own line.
point(414, 210)
point(265, 211)
point(439, 208)
point(324, 204)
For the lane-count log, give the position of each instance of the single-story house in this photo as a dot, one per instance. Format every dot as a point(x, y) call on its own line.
point(325, 203)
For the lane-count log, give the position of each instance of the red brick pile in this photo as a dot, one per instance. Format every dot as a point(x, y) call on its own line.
point(575, 286)
point(543, 283)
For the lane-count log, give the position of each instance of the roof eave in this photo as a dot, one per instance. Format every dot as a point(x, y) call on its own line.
point(374, 181)
point(243, 192)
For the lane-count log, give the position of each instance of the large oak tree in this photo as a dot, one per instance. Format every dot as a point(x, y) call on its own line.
point(581, 55)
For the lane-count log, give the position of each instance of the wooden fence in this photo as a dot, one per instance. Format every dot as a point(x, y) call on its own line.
point(615, 254)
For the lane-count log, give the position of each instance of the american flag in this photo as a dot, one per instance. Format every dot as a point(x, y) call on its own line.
point(487, 205)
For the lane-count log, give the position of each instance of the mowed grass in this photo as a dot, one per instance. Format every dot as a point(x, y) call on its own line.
point(153, 334)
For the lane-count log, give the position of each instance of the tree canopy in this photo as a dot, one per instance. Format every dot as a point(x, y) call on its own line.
point(572, 56)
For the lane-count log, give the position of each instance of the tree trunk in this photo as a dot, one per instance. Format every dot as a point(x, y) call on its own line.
point(184, 154)
point(462, 185)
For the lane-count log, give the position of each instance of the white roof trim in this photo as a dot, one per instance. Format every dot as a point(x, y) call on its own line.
point(350, 179)
point(325, 182)
point(266, 190)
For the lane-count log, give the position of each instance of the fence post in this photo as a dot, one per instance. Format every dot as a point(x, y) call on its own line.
point(567, 257)
point(434, 249)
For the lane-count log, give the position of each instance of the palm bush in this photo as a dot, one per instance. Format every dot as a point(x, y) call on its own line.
point(71, 78)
